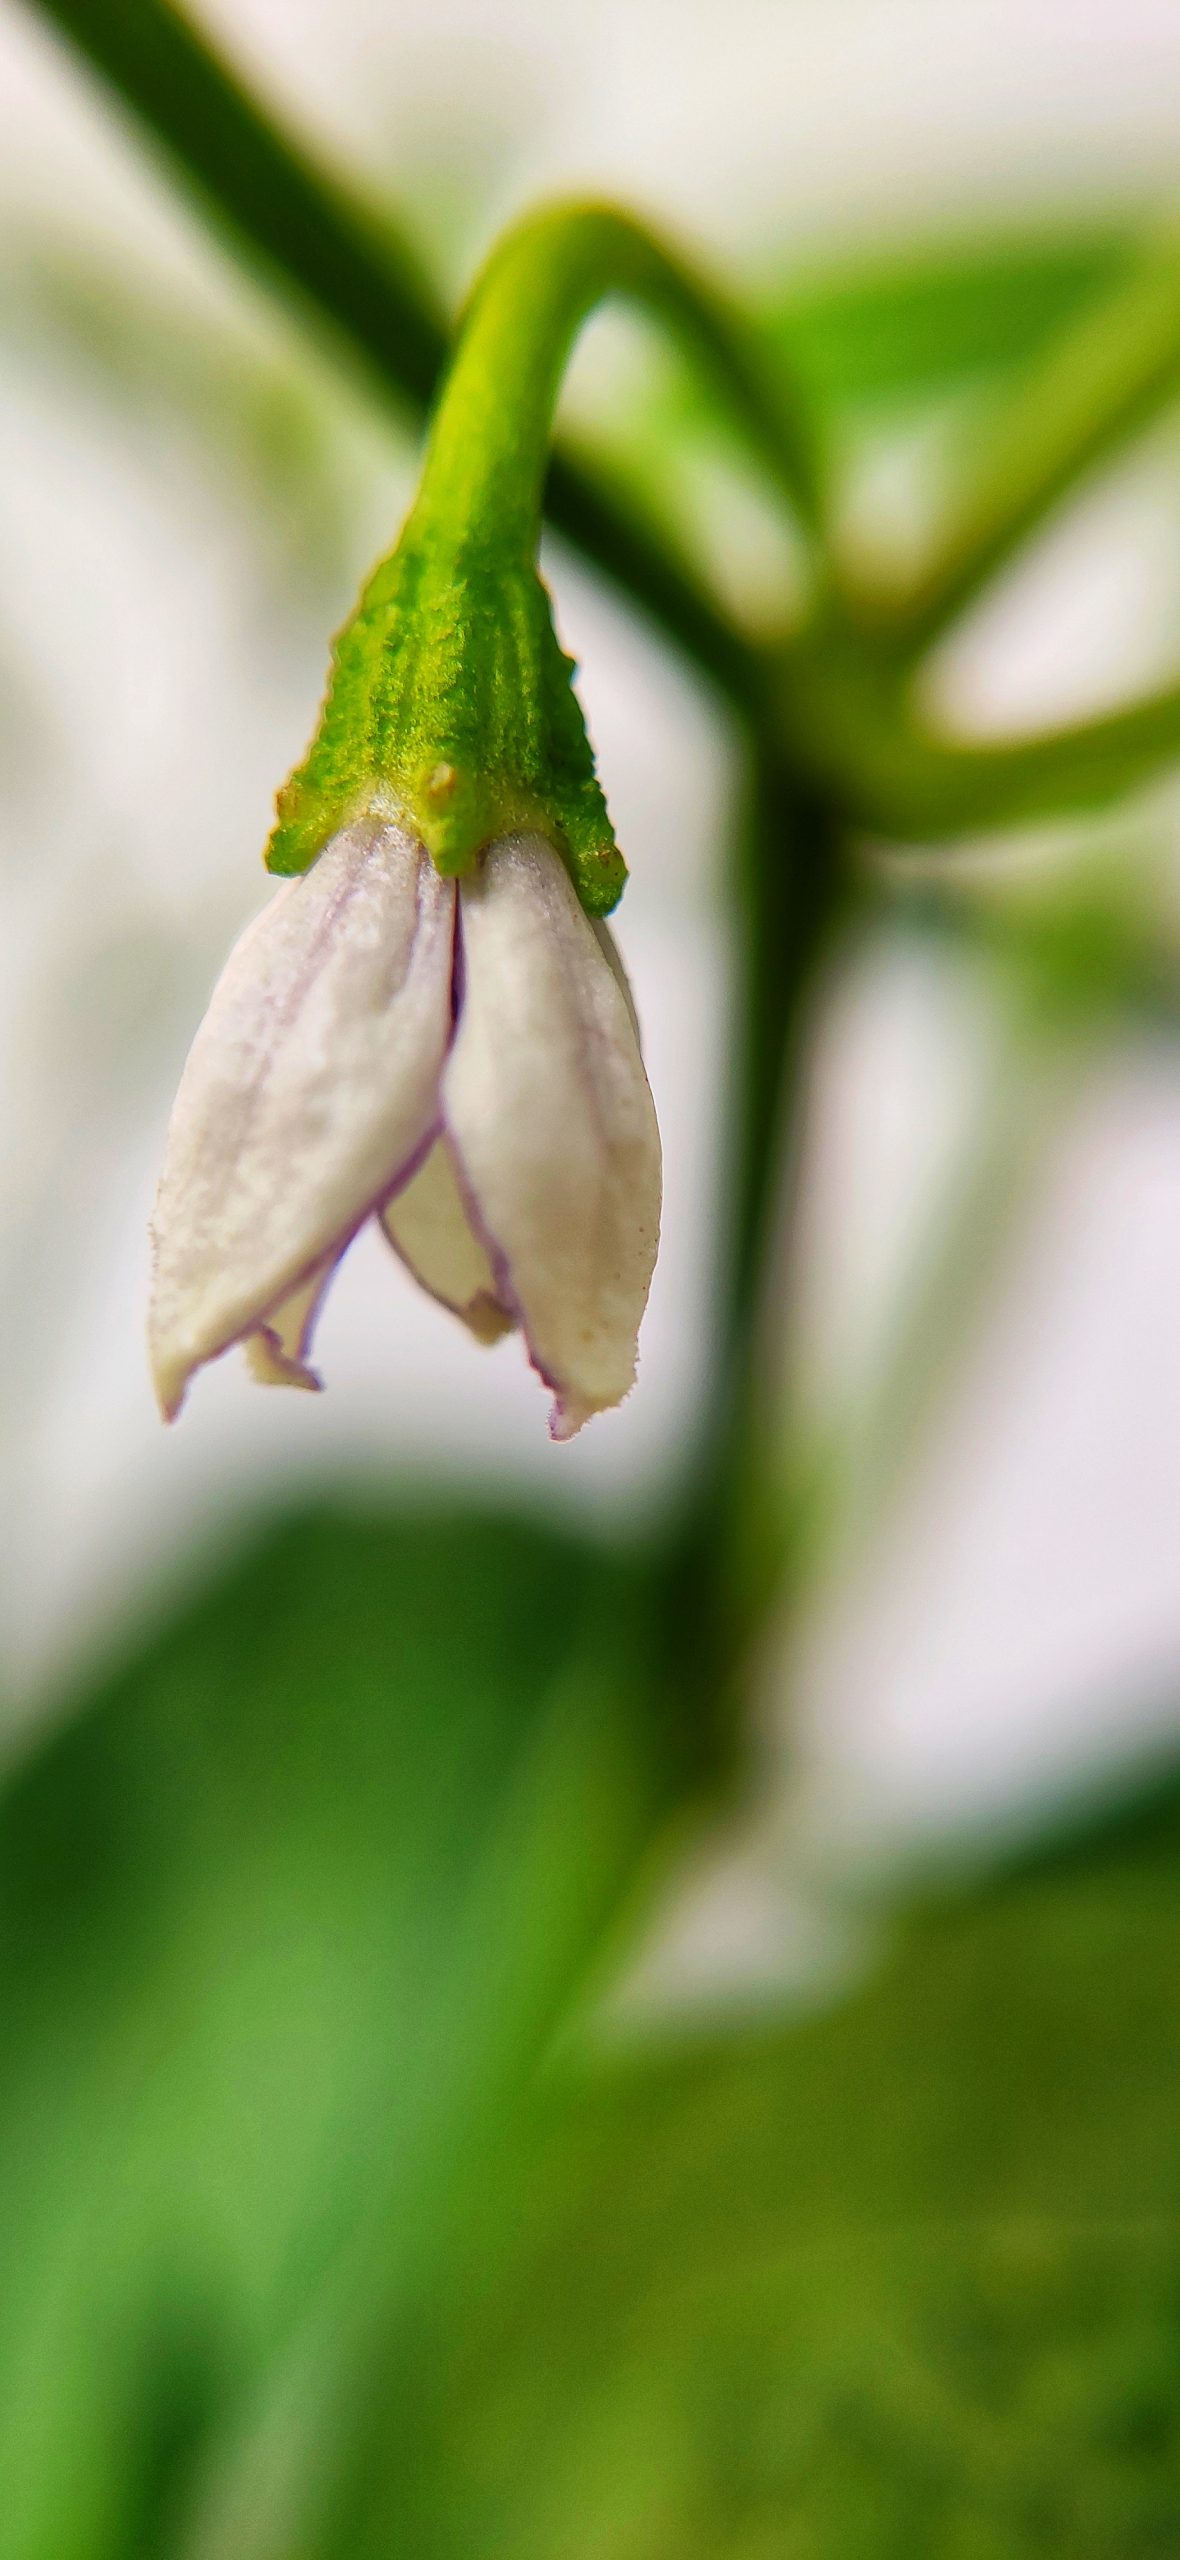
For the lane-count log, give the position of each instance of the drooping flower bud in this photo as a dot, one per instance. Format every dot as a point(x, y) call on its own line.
point(458, 1060)
point(430, 1024)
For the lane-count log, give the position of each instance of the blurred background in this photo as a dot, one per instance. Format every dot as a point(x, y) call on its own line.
point(977, 1357)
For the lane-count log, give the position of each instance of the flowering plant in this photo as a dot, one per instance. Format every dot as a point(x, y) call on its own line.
point(332, 2225)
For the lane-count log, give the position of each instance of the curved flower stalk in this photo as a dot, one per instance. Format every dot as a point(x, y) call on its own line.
point(458, 1061)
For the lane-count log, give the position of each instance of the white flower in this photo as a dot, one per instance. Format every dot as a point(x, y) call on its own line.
point(459, 1061)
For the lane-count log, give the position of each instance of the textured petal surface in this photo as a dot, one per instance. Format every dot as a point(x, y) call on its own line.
point(548, 1108)
point(310, 1088)
point(427, 1224)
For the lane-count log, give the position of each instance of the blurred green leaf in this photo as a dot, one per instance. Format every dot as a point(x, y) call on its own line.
point(922, 327)
point(899, 2279)
point(284, 1915)
point(915, 324)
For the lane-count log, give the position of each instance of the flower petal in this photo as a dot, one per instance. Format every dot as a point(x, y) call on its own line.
point(551, 1117)
point(614, 961)
point(277, 1352)
point(428, 1226)
point(310, 1089)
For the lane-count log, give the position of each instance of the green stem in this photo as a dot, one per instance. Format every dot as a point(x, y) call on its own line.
point(854, 732)
point(489, 445)
point(289, 217)
point(726, 1559)
point(1108, 374)
point(794, 892)
point(359, 279)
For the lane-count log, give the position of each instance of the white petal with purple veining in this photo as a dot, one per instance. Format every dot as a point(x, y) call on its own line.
point(548, 1108)
point(428, 1226)
point(310, 1088)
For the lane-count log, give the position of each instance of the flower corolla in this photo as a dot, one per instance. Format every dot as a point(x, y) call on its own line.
point(458, 1060)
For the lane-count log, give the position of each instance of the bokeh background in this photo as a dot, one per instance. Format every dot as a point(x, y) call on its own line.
point(841, 2220)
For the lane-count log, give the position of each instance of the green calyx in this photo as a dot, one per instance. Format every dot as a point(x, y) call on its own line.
point(451, 699)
